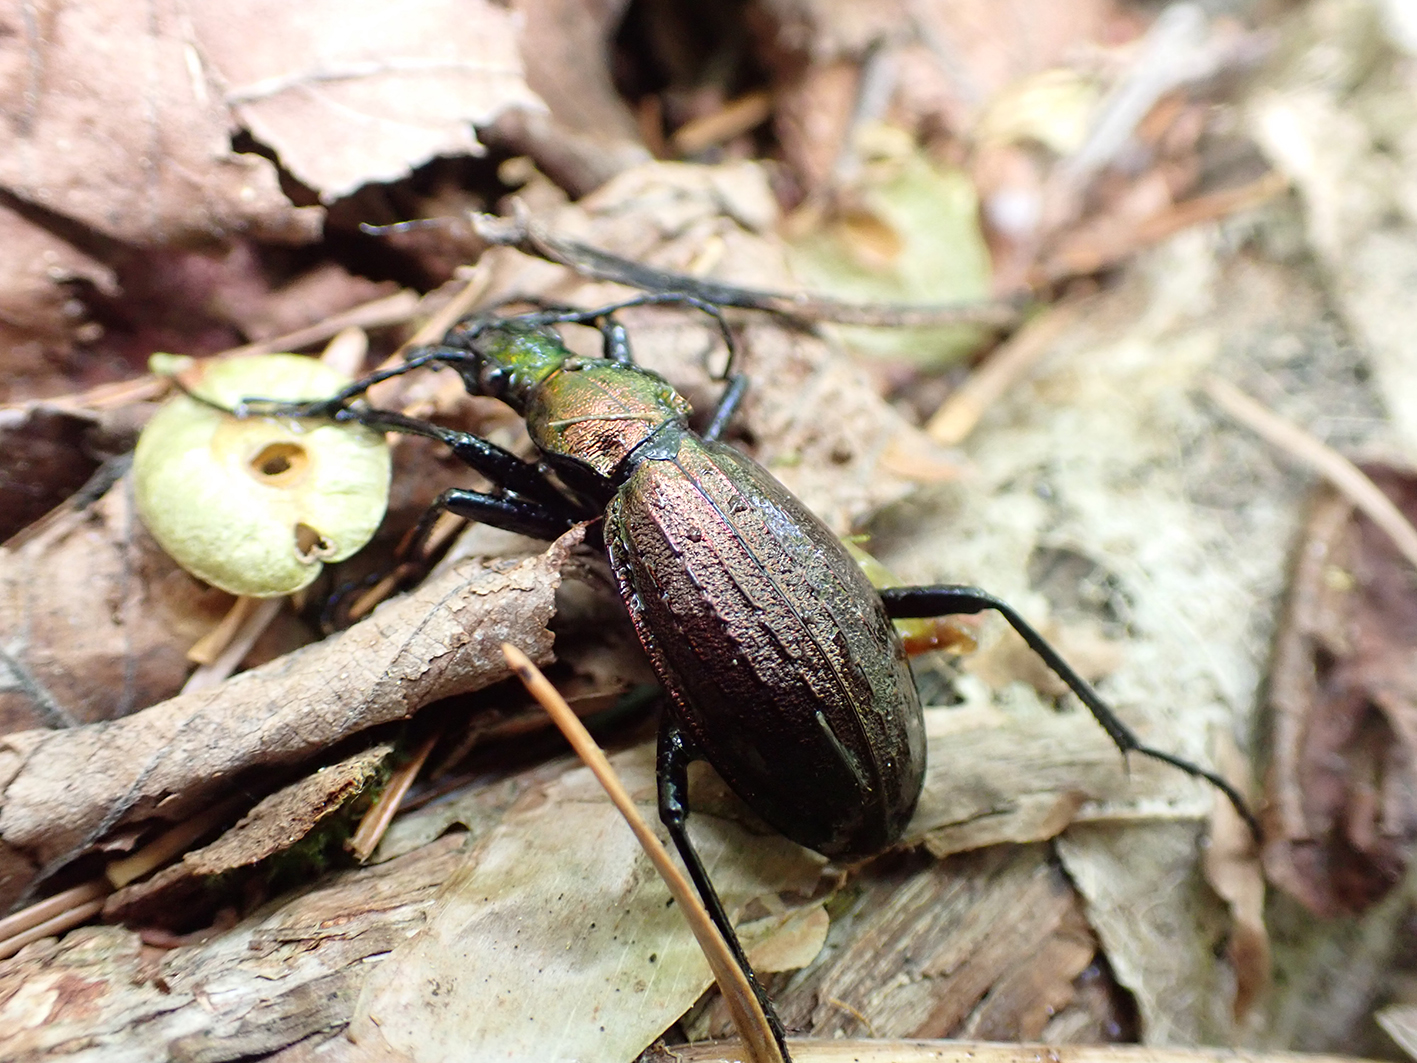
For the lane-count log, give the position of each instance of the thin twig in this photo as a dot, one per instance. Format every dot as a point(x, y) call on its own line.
point(742, 1003)
point(77, 905)
point(531, 238)
point(65, 920)
point(171, 842)
point(377, 313)
point(209, 647)
point(851, 1050)
point(15, 929)
point(734, 118)
point(252, 625)
point(376, 821)
point(961, 412)
point(1349, 480)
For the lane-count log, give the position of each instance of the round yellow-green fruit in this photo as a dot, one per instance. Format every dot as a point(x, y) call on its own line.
point(255, 505)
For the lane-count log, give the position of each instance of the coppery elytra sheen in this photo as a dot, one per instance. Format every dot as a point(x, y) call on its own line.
point(774, 647)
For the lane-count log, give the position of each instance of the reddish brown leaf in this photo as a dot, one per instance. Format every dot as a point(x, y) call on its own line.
point(1341, 789)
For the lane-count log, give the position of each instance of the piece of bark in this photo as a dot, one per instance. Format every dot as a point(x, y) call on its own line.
point(62, 791)
point(279, 977)
point(277, 823)
point(983, 944)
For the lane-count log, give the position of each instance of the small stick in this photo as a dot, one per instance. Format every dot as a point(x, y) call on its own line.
point(169, 844)
point(253, 621)
point(853, 1050)
point(65, 920)
point(961, 412)
point(209, 647)
point(79, 904)
point(734, 118)
point(1349, 480)
point(388, 310)
point(530, 237)
point(14, 929)
point(747, 1014)
point(376, 821)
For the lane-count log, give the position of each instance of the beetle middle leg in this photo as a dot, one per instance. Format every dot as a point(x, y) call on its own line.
point(676, 753)
point(908, 603)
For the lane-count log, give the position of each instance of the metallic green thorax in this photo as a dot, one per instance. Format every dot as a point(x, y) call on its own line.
point(592, 411)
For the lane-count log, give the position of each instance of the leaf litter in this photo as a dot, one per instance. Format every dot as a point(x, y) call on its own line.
point(1174, 524)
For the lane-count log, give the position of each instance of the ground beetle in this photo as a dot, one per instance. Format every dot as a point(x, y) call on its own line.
point(778, 655)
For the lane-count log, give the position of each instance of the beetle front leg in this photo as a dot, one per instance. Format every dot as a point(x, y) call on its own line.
point(910, 603)
point(676, 753)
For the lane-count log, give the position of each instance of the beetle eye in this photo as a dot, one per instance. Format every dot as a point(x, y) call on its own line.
point(493, 379)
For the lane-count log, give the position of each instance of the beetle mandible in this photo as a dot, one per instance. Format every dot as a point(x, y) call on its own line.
point(781, 663)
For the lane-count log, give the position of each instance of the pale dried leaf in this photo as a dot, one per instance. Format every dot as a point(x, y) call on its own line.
point(95, 619)
point(1148, 903)
point(354, 93)
point(606, 964)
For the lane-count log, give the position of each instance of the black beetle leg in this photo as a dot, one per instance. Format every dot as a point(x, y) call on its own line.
point(905, 603)
point(676, 753)
point(512, 514)
point(728, 404)
point(500, 466)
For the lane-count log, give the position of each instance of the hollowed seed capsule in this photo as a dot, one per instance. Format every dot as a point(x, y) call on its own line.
point(255, 505)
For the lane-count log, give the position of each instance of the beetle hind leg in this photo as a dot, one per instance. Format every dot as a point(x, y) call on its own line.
point(676, 753)
point(906, 603)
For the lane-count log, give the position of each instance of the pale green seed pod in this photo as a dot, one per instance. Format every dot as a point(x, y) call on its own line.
point(256, 505)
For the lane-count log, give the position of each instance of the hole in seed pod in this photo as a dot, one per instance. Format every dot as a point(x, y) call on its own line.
point(310, 545)
point(279, 462)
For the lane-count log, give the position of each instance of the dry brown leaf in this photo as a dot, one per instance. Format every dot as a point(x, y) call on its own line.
point(47, 461)
point(62, 791)
point(115, 124)
point(95, 619)
point(173, 896)
point(38, 318)
point(564, 45)
point(312, 297)
point(1232, 867)
point(349, 94)
point(1342, 788)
